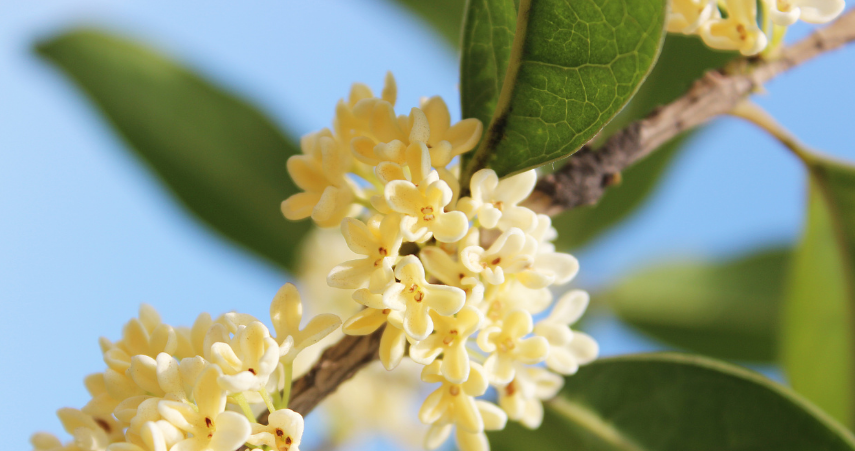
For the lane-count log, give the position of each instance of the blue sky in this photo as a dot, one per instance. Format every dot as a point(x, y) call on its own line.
point(87, 234)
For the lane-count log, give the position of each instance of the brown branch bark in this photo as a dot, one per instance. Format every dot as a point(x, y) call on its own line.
point(583, 180)
point(586, 176)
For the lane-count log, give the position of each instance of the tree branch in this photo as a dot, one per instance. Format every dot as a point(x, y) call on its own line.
point(585, 177)
point(583, 180)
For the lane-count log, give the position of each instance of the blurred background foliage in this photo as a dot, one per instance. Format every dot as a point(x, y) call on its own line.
point(223, 159)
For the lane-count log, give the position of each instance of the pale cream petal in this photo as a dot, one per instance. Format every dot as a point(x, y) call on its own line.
point(318, 327)
point(569, 307)
point(290, 422)
point(135, 338)
point(517, 323)
point(499, 368)
point(515, 189)
point(482, 185)
point(359, 91)
point(286, 311)
point(419, 128)
point(427, 350)
point(208, 396)
point(404, 197)
point(178, 414)
point(464, 135)
point(438, 117)
point(535, 280)
point(232, 431)
point(546, 383)
point(489, 216)
point(371, 300)
point(392, 296)
point(437, 435)
point(364, 322)
point(512, 401)
point(532, 350)
point(239, 382)
point(168, 374)
point(516, 216)
point(441, 156)
point(390, 89)
point(477, 383)
point(466, 414)
point(223, 355)
point(352, 274)
point(387, 171)
point(384, 124)
point(556, 334)
point(393, 345)
point(494, 417)
point(190, 369)
point(334, 162)
point(120, 386)
point(455, 364)
point(199, 330)
point(418, 160)
point(433, 407)
point(819, 11)
point(486, 338)
point(394, 151)
point(333, 206)
point(143, 371)
point(44, 441)
point(584, 347)
point(533, 415)
point(450, 227)
point(431, 373)
point(191, 444)
point(444, 299)
point(471, 441)
point(362, 149)
point(357, 236)
point(299, 206)
point(417, 323)
point(306, 173)
point(563, 266)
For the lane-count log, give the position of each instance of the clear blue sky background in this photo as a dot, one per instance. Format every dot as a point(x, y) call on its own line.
point(87, 234)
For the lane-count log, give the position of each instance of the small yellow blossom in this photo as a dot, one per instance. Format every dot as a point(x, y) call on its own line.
point(283, 431)
point(449, 339)
point(507, 344)
point(496, 203)
point(424, 210)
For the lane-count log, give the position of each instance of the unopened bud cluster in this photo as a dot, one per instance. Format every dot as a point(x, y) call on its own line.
point(733, 24)
point(454, 282)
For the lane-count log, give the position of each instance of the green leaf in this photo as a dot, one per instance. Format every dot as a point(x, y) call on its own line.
point(728, 310)
point(443, 15)
point(684, 59)
point(572, 67)
point(818, 335)
point(220, 156)
point(674, 402)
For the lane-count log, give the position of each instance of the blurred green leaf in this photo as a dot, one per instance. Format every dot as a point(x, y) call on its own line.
point(220, 156)
point(728, 310)
point(683, 60)
point(446, 16)
point(572, 68)
point(674, 402)
point(818, 333)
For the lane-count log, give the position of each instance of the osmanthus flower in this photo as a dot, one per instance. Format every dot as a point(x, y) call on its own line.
point(738, 31)
point(320, 173)
point(494, 418)
point(513, 295)
point(379, 241)
point(248, 359)
point(452, 272)
point(416, 298)
point(496, 203)
point(207, 422)
point(393, 342)
point(686, 16)
point(522, 398)
point(454, 403)
point(151, 439)
point(449, 339)
point(787, 12)
point(567, 348)
point(286, 313)
point(283, 431)
point(512, 252)
point(507, 345)
point(101, 406)
point(423, 207)
point(347, 124)
point(88, 434)
point(448, 141)
point(145, 335)
point(191, 340)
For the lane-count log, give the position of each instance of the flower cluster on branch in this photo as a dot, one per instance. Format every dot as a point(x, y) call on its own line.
point(455, 281)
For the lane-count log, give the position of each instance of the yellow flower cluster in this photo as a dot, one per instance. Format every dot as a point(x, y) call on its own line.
point(180, 389)
point(452, 281)
point(732, 24)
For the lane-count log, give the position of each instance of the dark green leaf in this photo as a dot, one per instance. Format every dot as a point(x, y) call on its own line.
point(684, 59)
point(818, 341)
point(444, 15)
point(221, 157)
point(572, 67)
point(728, 310)
point(674, 402)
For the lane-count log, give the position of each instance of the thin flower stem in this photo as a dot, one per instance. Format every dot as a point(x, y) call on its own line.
point(267, 399)
point(286, 392)
point(753, 113)
point(240, 399)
